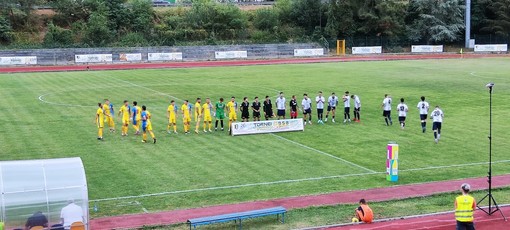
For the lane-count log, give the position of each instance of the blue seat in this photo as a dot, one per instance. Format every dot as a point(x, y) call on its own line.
point(238, 216)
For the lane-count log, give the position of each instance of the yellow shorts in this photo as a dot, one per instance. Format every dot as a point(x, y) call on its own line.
point(110, 122)
point(149, 127)
point(208, 118)
point(100, 124)
point(125, 121)
point(172, 120)
point(232, 116)
point(186, 119)
point(197, 118)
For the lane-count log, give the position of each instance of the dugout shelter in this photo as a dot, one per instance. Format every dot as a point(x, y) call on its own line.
point(47, 186)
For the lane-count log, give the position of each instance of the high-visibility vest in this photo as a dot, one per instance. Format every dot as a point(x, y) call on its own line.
point(464, 210)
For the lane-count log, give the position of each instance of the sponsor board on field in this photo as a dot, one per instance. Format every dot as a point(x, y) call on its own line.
point(18, 60)
point(271, 126)
point(308, 52)
point(130, 57)
point(491, 48)
point(426, 49)
point(93, 58)
point(230, 54)
point(367, 50)
point(164, 57)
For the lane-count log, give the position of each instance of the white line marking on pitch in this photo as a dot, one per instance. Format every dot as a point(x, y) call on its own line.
point(286, 181)
point(324, 153)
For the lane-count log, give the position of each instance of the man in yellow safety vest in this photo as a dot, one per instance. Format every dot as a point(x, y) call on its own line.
point(465, 206)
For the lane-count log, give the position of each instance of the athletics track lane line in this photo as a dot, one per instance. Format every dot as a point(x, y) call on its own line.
point(350, 197)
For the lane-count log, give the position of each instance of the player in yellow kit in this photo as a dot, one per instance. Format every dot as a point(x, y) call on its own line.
point(100, 121)
point(108, 111)
point(198, 114)
point(136, 117)
point(206, 112)
point(186, 116)
point(125, 112)
point(171, 114)
point(147, 125)
point(232, 112)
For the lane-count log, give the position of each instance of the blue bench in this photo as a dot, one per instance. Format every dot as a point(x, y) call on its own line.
point(239, 216)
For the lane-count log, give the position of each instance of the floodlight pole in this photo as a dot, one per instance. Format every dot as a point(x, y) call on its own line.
point(468, 24)
point(491, 208)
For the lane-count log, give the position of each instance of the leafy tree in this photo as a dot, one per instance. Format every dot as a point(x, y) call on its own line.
point(5, 30)
point(97, 32)
point(141, 15)
point(69, 11)
point(265, 19)
point(340, 23)
point(57, 37)
point(435, 21)
point(307, 14)
point(498, 20)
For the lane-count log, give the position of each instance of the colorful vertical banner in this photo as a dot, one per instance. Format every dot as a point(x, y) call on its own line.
point(392, 162)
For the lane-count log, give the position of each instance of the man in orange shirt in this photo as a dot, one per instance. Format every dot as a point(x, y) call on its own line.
point(364, 213)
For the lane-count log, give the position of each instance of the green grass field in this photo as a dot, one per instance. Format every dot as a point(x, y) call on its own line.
point(50, 115)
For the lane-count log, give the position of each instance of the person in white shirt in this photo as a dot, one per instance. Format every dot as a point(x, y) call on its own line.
point(437, 121)
point(347, 107)
point(70, 214)
point(386, 105)
point(320, 107)
point(357, 107)
point(332, 103)
point(423, 106)
point(307, 108)
point(280, 106)
point(402, 113)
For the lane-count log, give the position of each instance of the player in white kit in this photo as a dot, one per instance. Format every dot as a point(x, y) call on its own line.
point(386, 105)
point(423, 106)
point(437, 121)
point(402, 113)
point(280, 106)
point(332, 103)
point(347, 107)
point(320, 107)
point(307, 108)
point(357, 107)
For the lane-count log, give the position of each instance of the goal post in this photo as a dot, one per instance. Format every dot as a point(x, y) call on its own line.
point(340, 47)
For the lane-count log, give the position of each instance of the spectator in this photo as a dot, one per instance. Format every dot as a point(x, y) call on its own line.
point(465, 205)
point(364, 213)
point(70, 214)
point(37, 219)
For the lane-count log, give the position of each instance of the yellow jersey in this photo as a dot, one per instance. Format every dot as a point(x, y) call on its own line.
point(149, 116)
point(198, 109)
point(185, 110)
point(232, 107)
point(106, 110)
point(138, 113)
point(100, 117)
point(125, 112)
point(207, 109)
point(171, 110)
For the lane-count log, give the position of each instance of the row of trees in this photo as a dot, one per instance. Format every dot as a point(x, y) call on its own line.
point(96, 23)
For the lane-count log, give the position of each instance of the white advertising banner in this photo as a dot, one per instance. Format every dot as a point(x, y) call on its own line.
point(426, 49)
point(164, 57)
point(367, 50)
point(271, 126)
point(18, 60)
point(133, 57)
point(308, 52)
point(93, 58)
point(491, 48)
point(230, 54)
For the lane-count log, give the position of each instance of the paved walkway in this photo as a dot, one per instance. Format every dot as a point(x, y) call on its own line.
point(376, 194)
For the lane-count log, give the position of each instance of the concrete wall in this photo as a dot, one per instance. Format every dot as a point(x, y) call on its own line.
point(189, 53)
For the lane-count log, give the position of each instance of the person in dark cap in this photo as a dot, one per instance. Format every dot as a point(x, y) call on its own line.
point(37, 219)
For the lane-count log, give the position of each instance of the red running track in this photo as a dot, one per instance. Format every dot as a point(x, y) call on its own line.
point(192, 64)
point(435, 222)
point(351, 197)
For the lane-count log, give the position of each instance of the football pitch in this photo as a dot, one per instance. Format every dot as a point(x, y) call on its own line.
point(51, 115)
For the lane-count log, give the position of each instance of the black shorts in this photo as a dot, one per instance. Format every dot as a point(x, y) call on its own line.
point(436, 126)
point(320, 111)
point(331, 108)
point(269, 113)
point(256, 114)
point(401, 119)
point(245, 115)
point(307, 111)
point(357, 109)
point(347, 109)
point(386, 113)
point(423, 117)
point(281, 112)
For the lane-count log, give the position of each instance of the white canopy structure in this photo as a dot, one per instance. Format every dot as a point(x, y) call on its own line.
point(44, 186)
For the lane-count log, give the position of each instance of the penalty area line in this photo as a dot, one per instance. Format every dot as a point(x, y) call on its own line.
point(324, 153)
